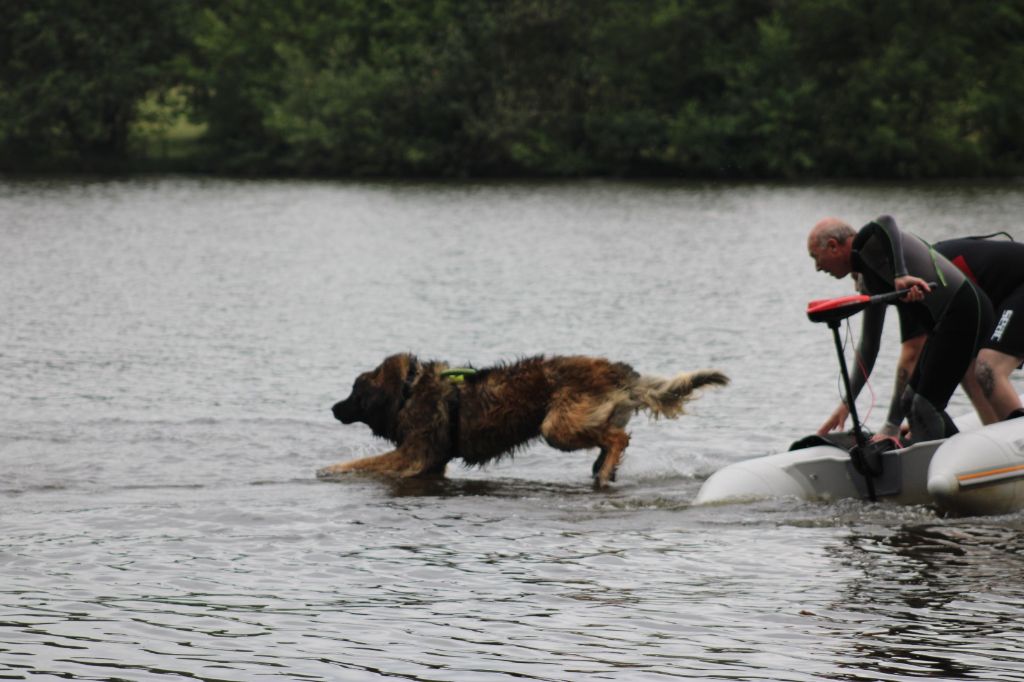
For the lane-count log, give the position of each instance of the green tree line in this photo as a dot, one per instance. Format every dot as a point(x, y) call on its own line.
point(730, 88)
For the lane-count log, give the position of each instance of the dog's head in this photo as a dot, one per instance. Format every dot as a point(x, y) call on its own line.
point(378, 395)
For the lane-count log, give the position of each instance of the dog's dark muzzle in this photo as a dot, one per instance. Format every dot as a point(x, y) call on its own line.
point(345, 411)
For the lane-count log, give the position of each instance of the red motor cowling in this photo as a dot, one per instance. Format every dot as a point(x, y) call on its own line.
point(834, 309)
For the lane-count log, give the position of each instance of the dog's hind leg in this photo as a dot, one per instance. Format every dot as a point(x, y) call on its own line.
point(614, 442)
point(400, 463)
point(583, 422)
point(599, 462)
point(617, 422)
point(595, 468)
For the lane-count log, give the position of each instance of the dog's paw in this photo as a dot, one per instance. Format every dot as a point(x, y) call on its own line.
point(601, 482)
point(331, 472)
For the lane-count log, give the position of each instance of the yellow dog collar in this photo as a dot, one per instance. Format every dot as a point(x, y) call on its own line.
point(458, 374)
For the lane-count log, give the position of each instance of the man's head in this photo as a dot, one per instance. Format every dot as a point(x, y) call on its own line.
point(829, 244)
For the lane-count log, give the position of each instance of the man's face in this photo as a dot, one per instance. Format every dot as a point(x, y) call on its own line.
point(830, 257)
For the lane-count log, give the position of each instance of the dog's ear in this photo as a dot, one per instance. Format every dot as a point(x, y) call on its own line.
point(401, 364)
point(392, 371)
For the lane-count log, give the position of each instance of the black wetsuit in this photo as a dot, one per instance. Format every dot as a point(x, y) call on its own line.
point(955, 315)
point(997, 268)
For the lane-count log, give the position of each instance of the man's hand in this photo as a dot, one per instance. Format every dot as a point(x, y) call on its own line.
point(889, 431)
point(918, 288)
point(836, 421)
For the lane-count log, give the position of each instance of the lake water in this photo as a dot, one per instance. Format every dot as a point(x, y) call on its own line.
point(170, 349)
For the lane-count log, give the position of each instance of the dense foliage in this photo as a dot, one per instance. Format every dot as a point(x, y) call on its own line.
point(731, 88)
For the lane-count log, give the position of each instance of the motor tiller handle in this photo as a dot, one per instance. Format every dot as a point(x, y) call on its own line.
point(835, 309)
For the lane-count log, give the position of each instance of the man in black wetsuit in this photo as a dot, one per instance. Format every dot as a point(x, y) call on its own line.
point(997, 268)
point(953, 316)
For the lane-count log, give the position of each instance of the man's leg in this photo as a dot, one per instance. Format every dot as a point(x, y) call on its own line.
point(972, 387)
point(1003, 352)
point(945, 359)
point(993, 375)
point(926, 421)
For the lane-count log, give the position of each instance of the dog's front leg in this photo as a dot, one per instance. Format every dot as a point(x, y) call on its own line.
point(399, 463)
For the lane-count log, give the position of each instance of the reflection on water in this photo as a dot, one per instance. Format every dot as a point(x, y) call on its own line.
point(463, 487)
point(170, 350)
point(935, 600)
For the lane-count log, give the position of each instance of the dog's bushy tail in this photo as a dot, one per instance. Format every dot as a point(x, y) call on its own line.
point(667, 397)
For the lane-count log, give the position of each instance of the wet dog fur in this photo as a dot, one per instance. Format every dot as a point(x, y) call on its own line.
point(573, 403)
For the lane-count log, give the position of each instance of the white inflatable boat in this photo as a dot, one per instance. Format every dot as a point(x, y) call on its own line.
point(978, 471)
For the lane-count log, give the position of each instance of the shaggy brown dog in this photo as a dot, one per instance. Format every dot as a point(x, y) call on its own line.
point(572, 402)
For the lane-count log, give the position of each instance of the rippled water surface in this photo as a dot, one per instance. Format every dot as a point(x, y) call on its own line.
point(170, 348)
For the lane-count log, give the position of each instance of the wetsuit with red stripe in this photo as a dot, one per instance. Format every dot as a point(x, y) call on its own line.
point(997, 268)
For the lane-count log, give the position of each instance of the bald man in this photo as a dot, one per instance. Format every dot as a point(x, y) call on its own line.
point(942, 326)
